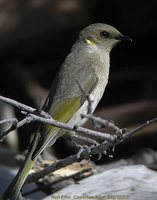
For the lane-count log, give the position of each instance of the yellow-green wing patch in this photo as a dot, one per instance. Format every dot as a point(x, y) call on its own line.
point(65, 111)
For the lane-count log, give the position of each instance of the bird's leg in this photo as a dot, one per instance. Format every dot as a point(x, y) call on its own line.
point(85, 139)
point(120, 133)
point(73, 137)
point(82, 149)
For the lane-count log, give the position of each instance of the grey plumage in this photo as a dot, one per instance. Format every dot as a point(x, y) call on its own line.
point(88, 62)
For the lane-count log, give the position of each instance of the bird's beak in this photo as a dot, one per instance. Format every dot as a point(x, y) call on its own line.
point(123, 37)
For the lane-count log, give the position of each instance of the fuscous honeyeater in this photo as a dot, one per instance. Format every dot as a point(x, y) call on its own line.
point(87, 63)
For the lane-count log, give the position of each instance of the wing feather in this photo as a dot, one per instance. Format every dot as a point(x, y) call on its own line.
point(62, 103)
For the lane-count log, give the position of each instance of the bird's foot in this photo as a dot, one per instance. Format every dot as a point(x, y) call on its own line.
point(86, 139)
point(83, 149)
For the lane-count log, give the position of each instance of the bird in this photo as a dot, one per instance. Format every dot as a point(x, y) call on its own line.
point(87, 63)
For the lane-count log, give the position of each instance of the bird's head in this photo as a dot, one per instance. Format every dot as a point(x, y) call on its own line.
point(102, 35)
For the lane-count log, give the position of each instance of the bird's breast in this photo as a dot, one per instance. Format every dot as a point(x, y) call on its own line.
point(95, 96)
point(97, 93)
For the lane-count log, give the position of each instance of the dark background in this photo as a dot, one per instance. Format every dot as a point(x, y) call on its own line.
point(36, 35)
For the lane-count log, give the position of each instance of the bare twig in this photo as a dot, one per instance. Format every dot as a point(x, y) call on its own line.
point(22, 106)
point(13, 120)
point(15, 125)
point(89, 132)
point(77, 176)
point(85, 139)
point(137, 129)
point(84, 154)
point(110, 141)
point(51, 168)
point(102, 123)
point(46, 118)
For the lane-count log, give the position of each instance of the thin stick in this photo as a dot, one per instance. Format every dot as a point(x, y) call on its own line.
point(22, 106)
point(84, 154)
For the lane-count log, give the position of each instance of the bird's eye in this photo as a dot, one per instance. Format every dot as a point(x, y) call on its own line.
point(104, 34)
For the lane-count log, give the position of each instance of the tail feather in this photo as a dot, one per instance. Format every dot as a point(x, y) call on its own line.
point(13, 190)
point(48, 141)
point(37, 146)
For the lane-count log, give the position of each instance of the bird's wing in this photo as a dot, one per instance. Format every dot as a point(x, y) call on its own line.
point(62, 109)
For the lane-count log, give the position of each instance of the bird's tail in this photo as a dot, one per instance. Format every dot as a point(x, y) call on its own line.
point(14, 189)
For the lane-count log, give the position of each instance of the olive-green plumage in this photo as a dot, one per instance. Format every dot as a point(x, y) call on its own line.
point(88, 63)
